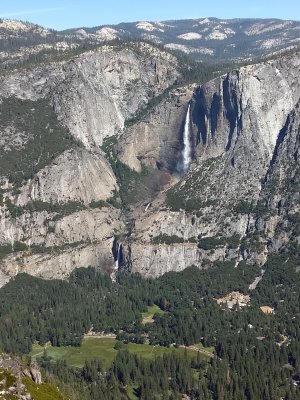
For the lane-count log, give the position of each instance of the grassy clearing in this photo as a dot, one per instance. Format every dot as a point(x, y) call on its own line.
point(148, 351)
point(103, 350)
point(91, 348)
point(149, 314)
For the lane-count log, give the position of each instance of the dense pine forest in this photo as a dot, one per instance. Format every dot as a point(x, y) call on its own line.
point(256, 354)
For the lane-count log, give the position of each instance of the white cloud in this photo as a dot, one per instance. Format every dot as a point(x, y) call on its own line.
point(30, 12)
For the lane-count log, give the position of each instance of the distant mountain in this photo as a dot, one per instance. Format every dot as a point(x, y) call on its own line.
point(206, 37)
point(203, 38)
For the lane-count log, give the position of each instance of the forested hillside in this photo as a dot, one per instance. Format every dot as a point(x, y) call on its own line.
point(244, 337)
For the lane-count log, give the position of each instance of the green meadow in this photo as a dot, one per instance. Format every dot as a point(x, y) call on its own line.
point(102, 348)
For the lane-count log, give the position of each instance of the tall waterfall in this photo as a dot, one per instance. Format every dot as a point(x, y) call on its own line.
point(187, 151)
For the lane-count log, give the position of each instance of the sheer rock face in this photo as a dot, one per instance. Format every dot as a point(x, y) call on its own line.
point(281, 189)
point(248, 106)
point(239, 118)
point(76, 175)
point(93, 94)
point(47, 229)
point(102, 91)
point(154, 260)
point(56, 247)
point(155, 141)
point(59, 265)
point(245, 127)
point(245, 137)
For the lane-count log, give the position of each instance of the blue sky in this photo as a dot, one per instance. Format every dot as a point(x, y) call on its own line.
point(63, 14)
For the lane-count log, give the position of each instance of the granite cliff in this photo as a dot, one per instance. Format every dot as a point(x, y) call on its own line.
point(240, 198)
point(118, 117)
point(59, 194)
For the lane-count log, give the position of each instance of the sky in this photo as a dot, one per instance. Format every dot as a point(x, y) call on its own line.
point(64, 14)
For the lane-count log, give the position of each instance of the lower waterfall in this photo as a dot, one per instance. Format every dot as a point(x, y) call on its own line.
point(119, 258)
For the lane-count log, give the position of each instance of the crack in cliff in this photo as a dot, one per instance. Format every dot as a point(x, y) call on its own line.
point(231, 106)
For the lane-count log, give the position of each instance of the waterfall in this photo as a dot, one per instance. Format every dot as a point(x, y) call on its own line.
point(187, 151)
point(117, 251)
point(119, 257)
point(147, 206)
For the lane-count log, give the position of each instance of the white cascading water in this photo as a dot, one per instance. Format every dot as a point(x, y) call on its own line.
point(119, 252)
point(117, 260)
point(186, 152)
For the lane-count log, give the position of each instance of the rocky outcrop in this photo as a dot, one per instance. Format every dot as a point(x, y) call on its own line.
point(12, 371)
point(59, 263)
point(76, 175)
point(154, 260)
point(183, 230)
point(182, 224)
point(35, 373)
point(52, 229)
point(56, 247)
point(21, 380)
point(3, 279)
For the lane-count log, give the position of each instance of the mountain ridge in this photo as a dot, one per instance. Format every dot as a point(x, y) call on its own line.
point(202, 38)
